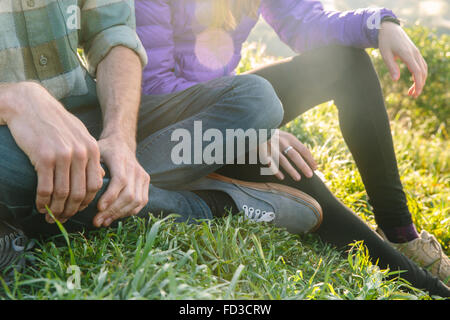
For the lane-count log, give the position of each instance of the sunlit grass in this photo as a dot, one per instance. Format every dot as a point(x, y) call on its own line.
point(224, 259)
point(232, 258)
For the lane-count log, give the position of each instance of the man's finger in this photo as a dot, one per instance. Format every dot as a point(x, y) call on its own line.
point(116, 209)
point(130, 198)
point(94, 182)
point(144, 196)
point(116, 185)
point(44, 187)
point(145, 190)
point(137, 204)
point(61, 186)
point(106, 217)
point(77, 189)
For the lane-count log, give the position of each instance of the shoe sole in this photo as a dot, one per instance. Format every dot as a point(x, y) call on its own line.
point(279, 189)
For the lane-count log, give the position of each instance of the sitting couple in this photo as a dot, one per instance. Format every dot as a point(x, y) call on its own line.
point(96, 151)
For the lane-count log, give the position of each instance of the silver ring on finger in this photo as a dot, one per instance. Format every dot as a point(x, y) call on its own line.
point(289, 148)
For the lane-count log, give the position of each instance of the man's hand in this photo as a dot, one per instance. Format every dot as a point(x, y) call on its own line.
point(297, 155)
point(65, 156)
point(394, 43)
point(119, 91)
point(127, 192)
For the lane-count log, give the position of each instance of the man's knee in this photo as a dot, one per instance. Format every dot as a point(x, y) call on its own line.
point(17, 176)
point(262, 103)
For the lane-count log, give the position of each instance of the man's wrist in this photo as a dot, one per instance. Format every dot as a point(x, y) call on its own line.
point(120, 127)
point(118, 137)
point(11, 99)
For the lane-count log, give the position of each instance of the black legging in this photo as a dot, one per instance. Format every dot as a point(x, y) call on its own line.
point(346, 75)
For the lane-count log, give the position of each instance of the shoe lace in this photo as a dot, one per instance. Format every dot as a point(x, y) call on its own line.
point(13, 245)
point(432, 246)
point(258, 215)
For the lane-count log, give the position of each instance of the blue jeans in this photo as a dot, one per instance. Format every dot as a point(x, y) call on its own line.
point(240, 102)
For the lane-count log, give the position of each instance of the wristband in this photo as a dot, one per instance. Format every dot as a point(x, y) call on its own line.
point(390, 19)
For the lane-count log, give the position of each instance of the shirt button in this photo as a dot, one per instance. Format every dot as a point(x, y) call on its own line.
point(43, 60)
point(30, 3)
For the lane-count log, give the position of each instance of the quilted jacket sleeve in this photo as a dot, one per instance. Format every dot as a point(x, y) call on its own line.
point(304, 24)
point(154, 28)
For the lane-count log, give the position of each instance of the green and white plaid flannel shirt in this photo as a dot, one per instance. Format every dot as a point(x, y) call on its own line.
point(39, 40)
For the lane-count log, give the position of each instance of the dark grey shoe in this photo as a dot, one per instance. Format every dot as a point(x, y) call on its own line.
point(281, 205)
point(12, 244)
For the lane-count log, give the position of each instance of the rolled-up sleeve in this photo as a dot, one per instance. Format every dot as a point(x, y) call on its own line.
point(106, 24)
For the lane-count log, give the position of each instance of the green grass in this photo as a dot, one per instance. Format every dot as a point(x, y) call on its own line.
point(231, 258)
point(236, 259)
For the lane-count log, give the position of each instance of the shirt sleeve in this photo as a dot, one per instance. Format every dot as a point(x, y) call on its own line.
point(106, 24)
point(304, 24)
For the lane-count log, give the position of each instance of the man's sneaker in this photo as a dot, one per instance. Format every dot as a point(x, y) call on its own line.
point(426, 252)
point(283, 206)
point(12, 244)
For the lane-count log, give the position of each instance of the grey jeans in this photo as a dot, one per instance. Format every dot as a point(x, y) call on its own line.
point(241, 102)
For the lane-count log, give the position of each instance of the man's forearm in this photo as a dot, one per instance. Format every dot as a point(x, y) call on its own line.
point(11, 96)
point(4, 103)
point(119, 90)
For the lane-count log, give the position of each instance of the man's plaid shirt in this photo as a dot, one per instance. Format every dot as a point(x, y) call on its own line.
point(39, 40)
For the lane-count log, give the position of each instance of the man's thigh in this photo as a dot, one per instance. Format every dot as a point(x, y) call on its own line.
point(245, 104)
point(160, 111)
point(156, 112)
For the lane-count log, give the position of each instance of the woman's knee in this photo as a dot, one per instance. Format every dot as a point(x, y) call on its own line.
point(361, 59)
point(346, 54)
point(261, 101)
point(357, 63)
point(334, 63)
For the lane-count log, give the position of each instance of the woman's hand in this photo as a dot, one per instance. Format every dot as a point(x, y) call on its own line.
point(394, 43)
point(293, 156)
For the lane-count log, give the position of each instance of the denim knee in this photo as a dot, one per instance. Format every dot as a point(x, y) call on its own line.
point(265, 107)
point(16, 171)
point(18, 179)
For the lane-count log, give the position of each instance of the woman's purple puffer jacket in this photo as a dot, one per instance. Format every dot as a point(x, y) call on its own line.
point(183, 51)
